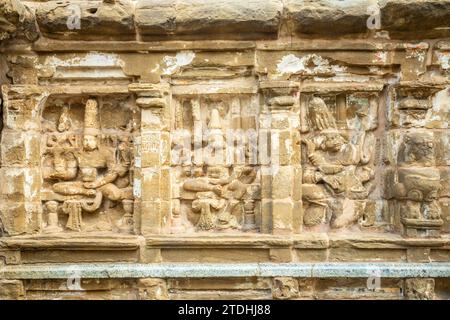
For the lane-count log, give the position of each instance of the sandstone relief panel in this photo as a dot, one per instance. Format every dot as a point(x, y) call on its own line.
point(87, 160)
point(216, 184)
point(338, 154)
point(200, 131)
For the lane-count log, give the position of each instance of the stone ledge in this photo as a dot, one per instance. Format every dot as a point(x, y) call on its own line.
point(216, 270)
point(152, 20)
point(71, 241)
point(306, 240)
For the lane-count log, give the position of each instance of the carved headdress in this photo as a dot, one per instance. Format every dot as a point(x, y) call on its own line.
point(321, 117)
point(214, 121)
point(91, 123)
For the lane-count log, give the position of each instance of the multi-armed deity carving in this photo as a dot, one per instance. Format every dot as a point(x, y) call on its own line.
point(87, 174)
point(338, 165)
point(215, 191)
point(417, 186)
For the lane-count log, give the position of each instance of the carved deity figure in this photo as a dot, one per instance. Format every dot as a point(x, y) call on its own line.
point(217, 192)
point(94, 174)
point(336, 168)
point(418, 186)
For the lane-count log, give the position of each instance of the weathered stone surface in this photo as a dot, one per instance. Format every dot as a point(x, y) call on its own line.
point(89, 19)
point(326, 17)
point(428, 18)
point(11, 290)
point(419, 289)
point(190, 17)
point(202, 149)
point(16, 18)
point(152, 289)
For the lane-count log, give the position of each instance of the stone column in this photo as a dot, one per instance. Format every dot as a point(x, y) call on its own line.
point(152, 187)
point(20, 203)
point(281, 178)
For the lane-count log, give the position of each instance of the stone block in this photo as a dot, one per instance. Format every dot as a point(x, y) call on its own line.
point(150, 149)
point(315, 17)
point(419, 289)
point(11, 290)
point(152, 216)
point(153, 289)
point(20, 149)
point(87, 19)
point(20, 184)
point(151, 184)
point(282, 216)
point(283, 182)
point(187, 17)
point(20, 217)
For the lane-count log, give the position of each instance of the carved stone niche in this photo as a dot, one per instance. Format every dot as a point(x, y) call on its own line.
point(338, 150)
point(87, 163)
point(215, 172)
point(412, 106)
point(416, 186)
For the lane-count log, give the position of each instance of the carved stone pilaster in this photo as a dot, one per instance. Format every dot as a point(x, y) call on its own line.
point(153, 150)
point(20, 208)
point(281, 176)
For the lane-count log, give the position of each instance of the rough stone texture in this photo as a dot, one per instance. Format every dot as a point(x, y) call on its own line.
point(189, 17)
point(14, 18)
point(433, 16)
point(11, 290)
point(98, 19)
point(194, 149)
point(327, 17)
point(419, 289)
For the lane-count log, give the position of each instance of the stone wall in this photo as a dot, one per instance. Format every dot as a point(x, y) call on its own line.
point(304, 144)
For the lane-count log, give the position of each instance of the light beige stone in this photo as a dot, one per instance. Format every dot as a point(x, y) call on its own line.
point(228, 132)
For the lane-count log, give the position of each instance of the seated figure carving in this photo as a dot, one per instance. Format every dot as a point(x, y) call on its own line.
point(218, 193)
point(336, 168)
point(101, 177)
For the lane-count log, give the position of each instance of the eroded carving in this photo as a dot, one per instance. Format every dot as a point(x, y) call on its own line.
point(418, 185)
point(284, 288)
point(338, 172)
point(87, 176)
point(216, 182)
point(419, 289)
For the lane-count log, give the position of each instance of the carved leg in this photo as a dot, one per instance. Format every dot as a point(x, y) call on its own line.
point(249, 215)
point(225, 219)
point(73, 209)
point(176, 223)
point(316, 212)
point(127, 220)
